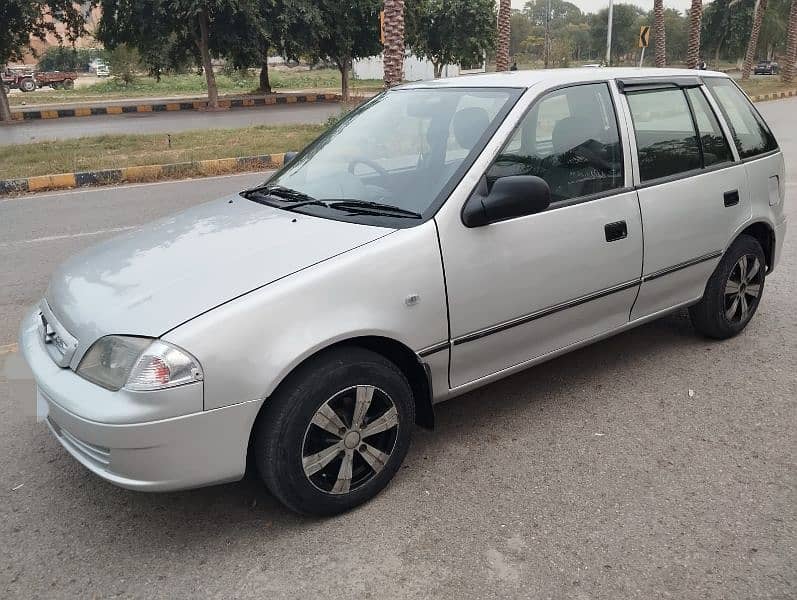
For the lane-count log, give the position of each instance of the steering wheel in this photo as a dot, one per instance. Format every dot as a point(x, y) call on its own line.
point(383, 174)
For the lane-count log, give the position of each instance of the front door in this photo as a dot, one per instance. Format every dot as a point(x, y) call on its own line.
point(523, 288)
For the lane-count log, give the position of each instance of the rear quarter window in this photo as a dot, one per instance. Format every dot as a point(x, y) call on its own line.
point(750, 133)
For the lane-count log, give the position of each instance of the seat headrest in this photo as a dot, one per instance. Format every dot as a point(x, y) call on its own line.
point(469, 124)
point(570, 133)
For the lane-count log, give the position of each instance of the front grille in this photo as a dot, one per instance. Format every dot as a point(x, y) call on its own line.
point(99, 455)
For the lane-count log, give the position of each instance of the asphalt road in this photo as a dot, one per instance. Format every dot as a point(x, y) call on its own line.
point(596, 475)
point(24, 132)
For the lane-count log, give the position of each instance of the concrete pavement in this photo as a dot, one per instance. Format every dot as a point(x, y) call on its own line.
point(24, 132)
point(596, 475)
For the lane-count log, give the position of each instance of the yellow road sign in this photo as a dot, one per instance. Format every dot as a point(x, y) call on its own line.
point(644, 36)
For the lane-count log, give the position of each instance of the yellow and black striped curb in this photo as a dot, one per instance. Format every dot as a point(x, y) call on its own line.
point(149, 107)
point(774, 96)
point(143, 173)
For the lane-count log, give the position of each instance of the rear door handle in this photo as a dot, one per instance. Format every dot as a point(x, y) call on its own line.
point(731, 198)
point(615, 231)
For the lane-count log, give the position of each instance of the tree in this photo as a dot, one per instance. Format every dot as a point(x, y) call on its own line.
point(520, 28)
point(659, 33)
point(281, 25)
point(168, 31)
point(450, 31)
point(504, 29)
point(752, 45)
point(791, 45)
point(22, 19)
point(394, 42)
point(345, 37)
point(693, 51)
point(625, 28)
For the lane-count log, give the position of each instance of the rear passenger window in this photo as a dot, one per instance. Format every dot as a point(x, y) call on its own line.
point(715, 147)
point(750, 133)
point(665, 134)
point(570, 139)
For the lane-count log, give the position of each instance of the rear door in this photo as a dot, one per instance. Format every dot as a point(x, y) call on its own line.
point(693, 192)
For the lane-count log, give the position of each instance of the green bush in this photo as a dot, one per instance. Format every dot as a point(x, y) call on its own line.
point(62, 58)
point(125, 64)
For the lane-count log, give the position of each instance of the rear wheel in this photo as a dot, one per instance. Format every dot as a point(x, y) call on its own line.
point(27, 85)
point(733, 291)
point(335, 432)
point(68, 84)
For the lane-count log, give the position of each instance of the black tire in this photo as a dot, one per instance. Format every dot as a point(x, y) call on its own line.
point(720, 314)
point(27, 85)
point(68, 84)
point(283, 431)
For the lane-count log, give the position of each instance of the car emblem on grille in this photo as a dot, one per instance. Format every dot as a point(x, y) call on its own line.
point(61, 345)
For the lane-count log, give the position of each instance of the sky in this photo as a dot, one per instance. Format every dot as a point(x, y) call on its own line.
point(592, 6)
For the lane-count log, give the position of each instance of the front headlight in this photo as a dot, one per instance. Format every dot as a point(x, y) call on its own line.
point(137, 363)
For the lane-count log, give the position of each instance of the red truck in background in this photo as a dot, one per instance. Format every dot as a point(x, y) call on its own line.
point(28, 81)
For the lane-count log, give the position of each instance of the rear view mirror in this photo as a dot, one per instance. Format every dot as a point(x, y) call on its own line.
point(289, 156)
point(510, 197)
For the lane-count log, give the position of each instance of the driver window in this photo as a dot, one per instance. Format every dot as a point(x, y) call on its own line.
point(570, 139)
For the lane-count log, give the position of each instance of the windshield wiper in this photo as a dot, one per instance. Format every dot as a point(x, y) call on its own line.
point(267, 194)
point(377, 208)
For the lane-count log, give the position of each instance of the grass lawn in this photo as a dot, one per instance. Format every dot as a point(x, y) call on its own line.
point(765, 85)
point(192, 84)
point(116, 151)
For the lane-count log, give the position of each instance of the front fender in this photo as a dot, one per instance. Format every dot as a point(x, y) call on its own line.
point(249, 345)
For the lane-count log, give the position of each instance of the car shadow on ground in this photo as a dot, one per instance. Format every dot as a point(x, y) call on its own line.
point(195, 516)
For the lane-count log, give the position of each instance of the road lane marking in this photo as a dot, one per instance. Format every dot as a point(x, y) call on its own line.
point(52, 238)
point(8, 349)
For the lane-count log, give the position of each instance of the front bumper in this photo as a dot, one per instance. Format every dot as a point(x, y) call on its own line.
point(158, 454)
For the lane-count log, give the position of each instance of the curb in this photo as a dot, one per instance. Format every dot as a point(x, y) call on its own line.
point(774, 96)
point(147, 107)
point(217, 166)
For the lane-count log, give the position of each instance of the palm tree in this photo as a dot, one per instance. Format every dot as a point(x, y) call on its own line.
point(502, 55)
point(789, 66)
point(394, 42)
point(659, 35)
point(693, 51)
point(752, 45)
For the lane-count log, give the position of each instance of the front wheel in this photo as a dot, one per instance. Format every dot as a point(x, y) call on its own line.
point(335, 432)
point(27, 85)
point(733, 292)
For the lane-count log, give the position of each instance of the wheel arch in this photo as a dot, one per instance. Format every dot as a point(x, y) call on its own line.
point(408, 362)
point(764, 233)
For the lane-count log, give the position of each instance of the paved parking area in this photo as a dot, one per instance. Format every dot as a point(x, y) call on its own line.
point(596, 475)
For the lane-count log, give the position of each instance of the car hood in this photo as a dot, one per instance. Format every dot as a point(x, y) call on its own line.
point(154, 278)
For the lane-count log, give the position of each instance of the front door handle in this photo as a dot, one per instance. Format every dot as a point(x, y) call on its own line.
point(615, 231)
point(731, 198)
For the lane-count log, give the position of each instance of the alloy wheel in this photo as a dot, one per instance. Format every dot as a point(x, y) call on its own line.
point(743, 289)
point(350, 439)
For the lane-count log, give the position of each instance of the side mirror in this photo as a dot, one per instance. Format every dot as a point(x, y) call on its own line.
point(511, 196)
point(289, 156)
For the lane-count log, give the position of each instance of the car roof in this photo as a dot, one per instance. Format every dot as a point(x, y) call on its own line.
point(555, 77)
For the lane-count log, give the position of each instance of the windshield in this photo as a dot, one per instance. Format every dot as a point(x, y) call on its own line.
point(403, 149)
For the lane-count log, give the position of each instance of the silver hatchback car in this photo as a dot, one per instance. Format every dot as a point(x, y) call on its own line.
point(442, 236)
